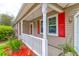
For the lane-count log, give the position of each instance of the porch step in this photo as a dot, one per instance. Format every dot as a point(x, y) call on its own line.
point(52, 51)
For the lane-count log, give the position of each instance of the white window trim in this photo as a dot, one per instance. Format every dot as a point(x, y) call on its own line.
point(52, 34)
point(56, 15)
point(76, 32)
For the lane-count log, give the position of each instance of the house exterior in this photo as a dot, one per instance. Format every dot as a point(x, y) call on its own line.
point(44, 28)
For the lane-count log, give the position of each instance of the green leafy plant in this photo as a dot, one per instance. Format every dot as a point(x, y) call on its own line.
point(15, 44)
point(70, 49)
point(3, 51)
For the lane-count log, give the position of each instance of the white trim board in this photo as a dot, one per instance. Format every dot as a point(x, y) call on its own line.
point(76, 32)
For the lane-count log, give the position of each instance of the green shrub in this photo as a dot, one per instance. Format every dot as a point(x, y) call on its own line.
point(15, 44)
point(6, 32)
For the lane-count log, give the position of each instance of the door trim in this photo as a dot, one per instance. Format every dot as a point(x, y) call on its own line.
point(75, 31)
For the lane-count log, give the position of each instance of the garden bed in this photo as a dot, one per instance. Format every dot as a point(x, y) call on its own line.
point(10, 45)
point(6, 50)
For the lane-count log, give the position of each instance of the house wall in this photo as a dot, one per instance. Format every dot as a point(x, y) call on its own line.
point(69, 13)
point(26, 27)
point(52, 40)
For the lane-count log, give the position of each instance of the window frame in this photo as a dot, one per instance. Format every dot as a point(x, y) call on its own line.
point(53, 34)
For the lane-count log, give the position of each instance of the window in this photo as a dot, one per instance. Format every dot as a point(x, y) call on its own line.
point(41, 26)
point(52, 25)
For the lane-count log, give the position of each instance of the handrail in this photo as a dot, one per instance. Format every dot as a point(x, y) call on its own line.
point(33, 36)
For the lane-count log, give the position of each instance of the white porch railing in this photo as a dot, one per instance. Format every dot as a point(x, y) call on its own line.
point(34, 43)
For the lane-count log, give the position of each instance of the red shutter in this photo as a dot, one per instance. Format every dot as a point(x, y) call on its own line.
point(38, 27)
point(61, 24)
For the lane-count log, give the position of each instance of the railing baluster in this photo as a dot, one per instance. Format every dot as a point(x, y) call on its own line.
point(34, 42)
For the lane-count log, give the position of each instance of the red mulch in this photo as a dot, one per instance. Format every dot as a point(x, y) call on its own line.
point(24, 51)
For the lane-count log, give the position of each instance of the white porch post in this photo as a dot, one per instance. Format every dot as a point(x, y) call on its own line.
point(21, 26)
point(18, 29)
point(45, 41)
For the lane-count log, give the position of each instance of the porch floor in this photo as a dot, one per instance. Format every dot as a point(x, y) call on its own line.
point(52, 51)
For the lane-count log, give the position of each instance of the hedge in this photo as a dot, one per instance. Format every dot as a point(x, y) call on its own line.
point(6, 32)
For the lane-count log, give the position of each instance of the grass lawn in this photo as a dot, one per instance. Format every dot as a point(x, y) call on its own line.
point(4, 49)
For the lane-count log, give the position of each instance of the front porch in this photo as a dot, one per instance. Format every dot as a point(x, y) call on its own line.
point(35, 44)
point(27, 32)
point(41, 39)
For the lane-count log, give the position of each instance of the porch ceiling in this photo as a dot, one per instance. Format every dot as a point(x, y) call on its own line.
point(36, 14)
point(27, 7)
